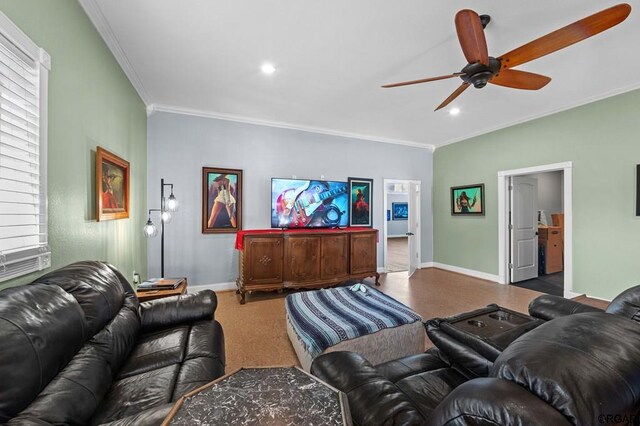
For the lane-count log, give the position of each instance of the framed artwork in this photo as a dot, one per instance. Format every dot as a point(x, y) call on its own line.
point(112, 186)
point(360, 199)
point(400, 211)
point(221, 200)
point(388, 215)
point(638, 190)
point(467, 200)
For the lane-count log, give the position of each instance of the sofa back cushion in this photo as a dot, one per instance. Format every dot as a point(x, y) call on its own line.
point(95, 286)
point(42, 328)
point(627, 304)
point(584, 365)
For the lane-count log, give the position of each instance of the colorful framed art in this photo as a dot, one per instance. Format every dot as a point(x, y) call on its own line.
point(467, 200)
point(112, 186)
point(221, 200)
point(360, 202)
point(400, 211)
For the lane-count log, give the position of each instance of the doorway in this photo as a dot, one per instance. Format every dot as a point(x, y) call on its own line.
point(401, 239)
point(535, 228)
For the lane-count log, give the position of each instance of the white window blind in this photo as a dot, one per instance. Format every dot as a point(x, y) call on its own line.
point(23, 195)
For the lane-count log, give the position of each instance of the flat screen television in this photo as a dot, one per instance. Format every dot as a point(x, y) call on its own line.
point(299, 203)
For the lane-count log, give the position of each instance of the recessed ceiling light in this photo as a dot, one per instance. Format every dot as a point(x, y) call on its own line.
point(454, 111)
point(268, 68)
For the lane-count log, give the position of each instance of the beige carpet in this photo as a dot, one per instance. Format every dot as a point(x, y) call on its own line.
point(397, 254)
point(255, 333)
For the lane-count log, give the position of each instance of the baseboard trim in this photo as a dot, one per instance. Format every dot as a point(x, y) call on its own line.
point(214, 287)
point(465, 271)
point(381, 270)
point(426, 265)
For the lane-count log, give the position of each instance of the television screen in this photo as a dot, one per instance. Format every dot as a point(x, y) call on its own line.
point(297, 203)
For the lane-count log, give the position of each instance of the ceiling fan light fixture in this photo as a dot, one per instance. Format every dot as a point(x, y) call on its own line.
point(268, 68)
point(454, 111)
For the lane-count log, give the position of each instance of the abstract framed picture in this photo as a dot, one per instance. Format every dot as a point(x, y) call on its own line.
point(360, 202)
point(112, 186)
point(400, 211)
point(467, 200)
point(221, 200)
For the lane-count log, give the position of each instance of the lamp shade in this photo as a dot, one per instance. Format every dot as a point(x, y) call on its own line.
point(150, 230)
point(166, 217)
point(172, 204)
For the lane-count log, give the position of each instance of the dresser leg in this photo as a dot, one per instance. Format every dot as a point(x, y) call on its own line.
point(377, 278)
point(242, 297)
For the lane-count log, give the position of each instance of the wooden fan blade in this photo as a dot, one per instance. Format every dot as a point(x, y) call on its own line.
point(566, 36)
point(424, 80)
point(471, 37)
point(520, 79)
point(452, 96)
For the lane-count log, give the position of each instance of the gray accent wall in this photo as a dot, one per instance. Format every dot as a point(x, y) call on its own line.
point(550, 191)
point(180, 145)
point(397, 228)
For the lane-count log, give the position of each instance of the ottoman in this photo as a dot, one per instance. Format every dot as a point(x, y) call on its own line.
point(370, 323)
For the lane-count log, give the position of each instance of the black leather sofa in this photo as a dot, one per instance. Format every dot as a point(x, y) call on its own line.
point(78, 348)
point(578, 366)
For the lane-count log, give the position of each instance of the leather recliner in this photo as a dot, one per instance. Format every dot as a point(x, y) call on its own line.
point(78, 348)
point(581, 367)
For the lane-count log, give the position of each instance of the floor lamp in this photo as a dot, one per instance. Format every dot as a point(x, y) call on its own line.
point(167, 206)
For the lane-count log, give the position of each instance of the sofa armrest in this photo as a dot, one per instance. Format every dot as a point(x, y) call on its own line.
point(548, 307)
point(491, 402)
point(373, 399)
point(176, 310)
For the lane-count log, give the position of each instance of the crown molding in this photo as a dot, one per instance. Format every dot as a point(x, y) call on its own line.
point(566, 107)
point(259, 122)
point(93, 11)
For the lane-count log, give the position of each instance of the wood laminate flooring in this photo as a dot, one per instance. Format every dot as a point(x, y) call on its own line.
point(397, 254)
point(256, 335)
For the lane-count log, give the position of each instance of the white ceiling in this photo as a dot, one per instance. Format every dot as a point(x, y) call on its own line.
point(204, 57)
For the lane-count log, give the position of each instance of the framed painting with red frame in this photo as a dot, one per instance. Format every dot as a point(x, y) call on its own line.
point(221, 200)
point(112, 186)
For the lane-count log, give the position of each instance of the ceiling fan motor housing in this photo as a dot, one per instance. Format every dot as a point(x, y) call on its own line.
point(479, 74)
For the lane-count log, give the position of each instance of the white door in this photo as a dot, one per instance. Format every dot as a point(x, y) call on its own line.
point(524, 228)
point(414, 227)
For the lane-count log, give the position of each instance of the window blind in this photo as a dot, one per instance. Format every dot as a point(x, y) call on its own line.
point(23, 203)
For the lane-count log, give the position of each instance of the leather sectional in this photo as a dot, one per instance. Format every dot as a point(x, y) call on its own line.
point(78, 348)
point(578, 365)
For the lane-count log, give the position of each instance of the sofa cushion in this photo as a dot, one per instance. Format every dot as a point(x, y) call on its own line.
point(136, 393)
point(400, 368)
point(204, 357)
point(42, 328)
point(74, 394)
point(156, 350)
point(96, 288)
point(427, 389)
point(562, 359)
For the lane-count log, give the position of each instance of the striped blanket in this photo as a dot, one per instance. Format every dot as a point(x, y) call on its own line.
point(324, 318)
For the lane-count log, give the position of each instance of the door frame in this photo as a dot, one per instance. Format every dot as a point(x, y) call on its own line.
point(503, 222)
point(384, 220)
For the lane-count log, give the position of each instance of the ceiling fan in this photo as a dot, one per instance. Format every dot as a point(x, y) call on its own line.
point(483, 69)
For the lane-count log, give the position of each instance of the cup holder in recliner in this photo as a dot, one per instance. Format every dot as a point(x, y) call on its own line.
point(500, 316)
point(476, 323)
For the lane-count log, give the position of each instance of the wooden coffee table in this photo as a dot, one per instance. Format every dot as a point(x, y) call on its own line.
point(146, 295)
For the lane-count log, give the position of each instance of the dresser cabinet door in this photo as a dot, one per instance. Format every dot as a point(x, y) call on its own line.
point(302, 258)
point(263, 260)
point(335, 256)
point(363, 252)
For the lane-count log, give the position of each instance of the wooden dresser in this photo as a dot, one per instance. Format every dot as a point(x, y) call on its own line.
point(271, 260)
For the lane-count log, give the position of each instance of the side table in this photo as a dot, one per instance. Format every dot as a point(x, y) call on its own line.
point(146, 295)
point(263, 396)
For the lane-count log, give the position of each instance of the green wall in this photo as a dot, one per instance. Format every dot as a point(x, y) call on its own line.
point(91, 103)
point(602, 139)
